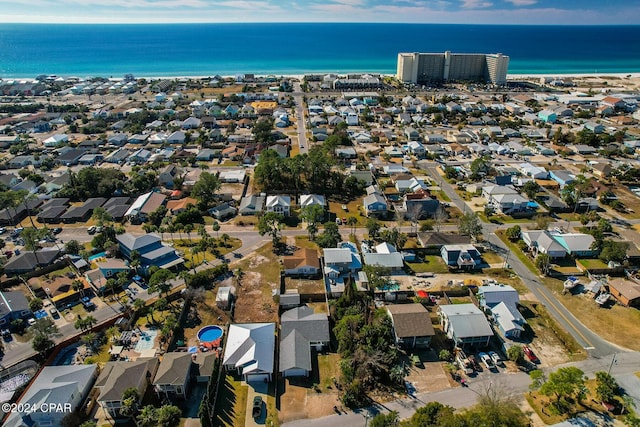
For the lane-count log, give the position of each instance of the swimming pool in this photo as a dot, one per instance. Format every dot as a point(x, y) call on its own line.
point(210, 333)
point(146, 341)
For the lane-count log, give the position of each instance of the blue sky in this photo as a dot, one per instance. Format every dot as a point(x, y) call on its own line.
point(416, 11)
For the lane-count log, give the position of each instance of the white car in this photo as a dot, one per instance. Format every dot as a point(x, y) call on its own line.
point(486, 360)
point(495, 358)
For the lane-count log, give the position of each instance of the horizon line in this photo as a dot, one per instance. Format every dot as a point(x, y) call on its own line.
point(313, 22)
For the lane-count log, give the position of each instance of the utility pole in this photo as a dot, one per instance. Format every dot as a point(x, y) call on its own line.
point(613, 361)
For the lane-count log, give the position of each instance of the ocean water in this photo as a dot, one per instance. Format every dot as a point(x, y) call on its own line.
point(27, 50)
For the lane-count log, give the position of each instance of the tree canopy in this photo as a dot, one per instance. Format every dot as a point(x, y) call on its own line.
point(205, 188)
point(93, 182)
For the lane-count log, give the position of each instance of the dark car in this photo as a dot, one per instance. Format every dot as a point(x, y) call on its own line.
point(257, 407)
point(57, 230)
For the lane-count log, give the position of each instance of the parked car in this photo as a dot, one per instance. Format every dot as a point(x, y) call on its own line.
point(3, 230)
point(474, 363)
point(486, 360)
point(495, 357)
point(92, 229)
point(530, 354)
point(87, 303)
point(257, 407)
point(57, 230)
point(54, 313)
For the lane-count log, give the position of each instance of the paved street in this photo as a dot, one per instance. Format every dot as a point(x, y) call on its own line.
point(595, 345)
point(302, 127)
point(506, 385)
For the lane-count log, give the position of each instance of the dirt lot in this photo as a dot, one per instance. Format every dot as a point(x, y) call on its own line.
point(254, 300)
point(429, 375)
point(305, 286)
point(300, 400)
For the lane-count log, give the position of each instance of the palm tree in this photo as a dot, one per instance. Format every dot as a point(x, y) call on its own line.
point(188, 228)
point(88, 339)
point(216, 227)
point(77, 285)
point(225, 238)
point(138, 304)
point(91, 321)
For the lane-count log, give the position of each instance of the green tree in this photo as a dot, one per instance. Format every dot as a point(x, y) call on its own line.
point(444, 354)
point(542, 221)
point(537, 379)
point(373, 228)
point(432, 414)
point(216, 227)
point(168, 416)
point(352, 221)
point(531, 189)
point(270, 223)
point(205, 188)
point(515, 353)
point(72, 247)
point(614, 251)
point(513, 233)
point(160, 281)
point(543, 263)
point(35, 304)
point(330, 237)
point(384, 420)
point(263, 131)
point(469, 225)
point(101, 216)
point(606, 386)
point(563, 384)
point(312, 214)
point(41, 343)
point(480, 167)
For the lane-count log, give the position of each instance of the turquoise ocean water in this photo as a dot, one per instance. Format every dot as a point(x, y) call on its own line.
point(27, 50)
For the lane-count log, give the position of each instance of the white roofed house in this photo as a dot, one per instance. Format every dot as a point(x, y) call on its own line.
point(502, 302)
point(541, 241)
point(375, 204)
point(278, 204)
point(64, 387)
point(250, 351)
point(312, 199)
point(465, 325)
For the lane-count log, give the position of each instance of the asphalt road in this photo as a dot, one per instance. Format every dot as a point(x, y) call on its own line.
point(503, 384)
point(595, 345)
point(302, 127)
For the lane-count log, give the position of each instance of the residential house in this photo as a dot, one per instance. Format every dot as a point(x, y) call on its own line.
point(412, 326)
point(144, 205)
point(278, 204)
point(28, 261)
point(139, 156)
point(70, 157)
point(250, 351)
point(547, 116)
point(435, 239)
point(542, 241)
point(312, 199)
point(82, 212)
point(116, 377)
point(562, 177)
point(625, 291)
point(172, 377)
point(13, 305)
point(419, 205)
point(375, 204)
point(392, 261)
point(461, 256)
point(577, 244)
point(150, 249)
point(465, 325)
point(167, 175)
point(55, 140)
point(303, 262)
point(601, 170)
point(176, 138)
point(223, 211)
point(62, 389)
point(251, 205)
point(301, 331)
point(417, 149)
point(502, 302)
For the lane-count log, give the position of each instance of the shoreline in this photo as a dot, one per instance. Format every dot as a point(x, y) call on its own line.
point(299, 76)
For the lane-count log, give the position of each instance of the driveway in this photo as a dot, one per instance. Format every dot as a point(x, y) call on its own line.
point(256, 389)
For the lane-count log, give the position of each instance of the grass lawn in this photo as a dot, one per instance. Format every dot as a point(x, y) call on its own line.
point(461, 300)
point(304, 242)
point(185, 246)
point(491, 257)
point(431, 264)
point(329, 368)
point(231, 406)
point(593, 263)
point(354, 208)
point(544, 407)
point(246, 221)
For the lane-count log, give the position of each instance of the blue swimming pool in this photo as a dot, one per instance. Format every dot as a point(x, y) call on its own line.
point(210, 333)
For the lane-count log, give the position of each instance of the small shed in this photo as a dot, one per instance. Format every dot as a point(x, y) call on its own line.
point(224, 297)
point(289, 300)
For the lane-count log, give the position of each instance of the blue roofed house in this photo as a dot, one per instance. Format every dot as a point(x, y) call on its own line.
point(13, 305)
point(465, 257)
point(502, 302)
point(561, 177)
point(375, 204)
point(150, 248)
point(547, 116)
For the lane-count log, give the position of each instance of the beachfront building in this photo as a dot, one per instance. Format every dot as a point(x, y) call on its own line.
point(423, 68)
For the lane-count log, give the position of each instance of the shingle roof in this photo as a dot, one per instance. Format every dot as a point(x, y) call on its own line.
point(173, 369)
point(411, 320)
point(116, 377)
